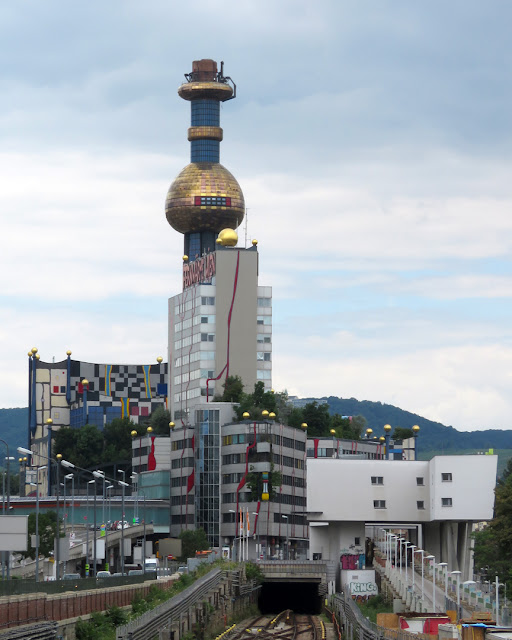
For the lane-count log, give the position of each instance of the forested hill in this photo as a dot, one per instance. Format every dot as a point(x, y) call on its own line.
point(433, 436)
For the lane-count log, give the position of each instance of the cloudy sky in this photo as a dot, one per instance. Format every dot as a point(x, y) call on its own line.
point(371, 139)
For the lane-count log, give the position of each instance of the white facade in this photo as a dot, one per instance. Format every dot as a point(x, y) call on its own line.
point(435, 502)
point(218, 329)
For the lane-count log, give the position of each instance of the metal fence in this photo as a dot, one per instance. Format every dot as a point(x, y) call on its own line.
point(20, 587)
point(355, 626)
point(38, 631)
point(146, 626)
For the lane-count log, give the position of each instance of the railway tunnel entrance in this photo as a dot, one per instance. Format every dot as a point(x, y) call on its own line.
point(301, 597)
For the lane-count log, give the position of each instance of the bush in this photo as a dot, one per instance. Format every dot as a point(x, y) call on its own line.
point(115, 616)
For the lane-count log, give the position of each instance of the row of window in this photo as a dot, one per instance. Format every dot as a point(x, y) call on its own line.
point(186, 518)
point(188, 395)
point(182, 499)
point(263, 356)
point(178, 445)
point(197, 374)
point(182, 463)
point(287, 461)
point(187, 324)
point(179, 481)
point(266, 320)
point(291, 518)
point(263, 374)
point(194, 357)
point(420, 481)
point(420, 504)
point(264, 302)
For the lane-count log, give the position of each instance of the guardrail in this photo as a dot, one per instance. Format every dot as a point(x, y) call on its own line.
point(356, 626)
point(20, 587)
point(38, 631)
point(146, 626)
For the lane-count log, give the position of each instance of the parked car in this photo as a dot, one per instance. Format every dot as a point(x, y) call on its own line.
point(71, 576)
point(135, 572)
point(103, 574)
point(122, 525)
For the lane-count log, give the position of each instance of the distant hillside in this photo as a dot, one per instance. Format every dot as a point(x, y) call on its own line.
point(14, 429)
point(433, 436)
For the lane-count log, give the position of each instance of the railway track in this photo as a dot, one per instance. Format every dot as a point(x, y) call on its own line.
point(287, 625)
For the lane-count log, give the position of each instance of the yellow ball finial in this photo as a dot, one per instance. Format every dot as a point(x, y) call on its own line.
point(228, 237)
point(416, 429)
point(245, 415)
point(30, 354)
point(264, 413)
point(149, 429)
point(333, 431)
point(159, 359)
point(369, 432)
point(218, 241)
point(20, 460)
point(34, 350)
point(171, 425)
point(304, 425)
point(85, 382)
point(271, 415)
point(254, 242)
point(387, 428)
point(59, 456)
point(38, 357)
point(49, 422)
point(185, 258)
point(133, 433)
point(68, 352)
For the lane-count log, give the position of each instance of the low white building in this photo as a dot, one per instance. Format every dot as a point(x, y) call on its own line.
point(434, 504)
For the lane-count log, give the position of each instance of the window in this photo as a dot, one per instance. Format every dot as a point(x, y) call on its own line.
point(377, 479)
point(263, 338)
point(446, 502)
point(446, 477)
point(263, 374)
point(264, 320)
point(207, 300)
point(207, 337)
point(379, 504)
point(357, 541)
point(419, 482)
point(264, 302)
point(420, 504)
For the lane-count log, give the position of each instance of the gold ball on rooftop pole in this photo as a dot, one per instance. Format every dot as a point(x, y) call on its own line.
point(416, 429)
point(49, 422)
point(382, 439)
point(20, 460)
point(264, 413)
point(271, 415)
point(171, 425)
point(37, 356)
point(59, 456)
point(159, 359)
point(245, 415)
point(185, 258)
point(133, 433)
point(254, 242)
point(387, 428)
point(149, 429)
point(304, 425)
point(34, 350)
point(333, 431)
point(29, 354)
point(68, 352)
point(85, 382)
point(25, 459)
point(369, 432)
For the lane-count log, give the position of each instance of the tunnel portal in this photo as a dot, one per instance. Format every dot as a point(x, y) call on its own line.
point(301, 597)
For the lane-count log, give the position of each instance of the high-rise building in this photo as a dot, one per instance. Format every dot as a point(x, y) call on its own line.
point(221, 323)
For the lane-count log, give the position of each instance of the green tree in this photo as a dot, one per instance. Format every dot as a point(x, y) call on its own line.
point(192, 541)
point(118, 440)
point(159, 420)
point(233, 389)
point(317, 418)
point(47, 532)
point(402, 433)
point(358, 426)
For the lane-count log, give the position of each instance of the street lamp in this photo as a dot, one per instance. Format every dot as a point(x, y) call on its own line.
point(415, 433)
point(400, 541)
point(123, 485)
point(235, 538)
point(93, 482)
point(71, 476)
point(255, 513)
point(387, 431)
point(433, 580)
point(287, 543)
point(412, 547)
point(445, 569)
point(422, 579)
point(37, 524)
point(50, 461)
point(457, 573)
